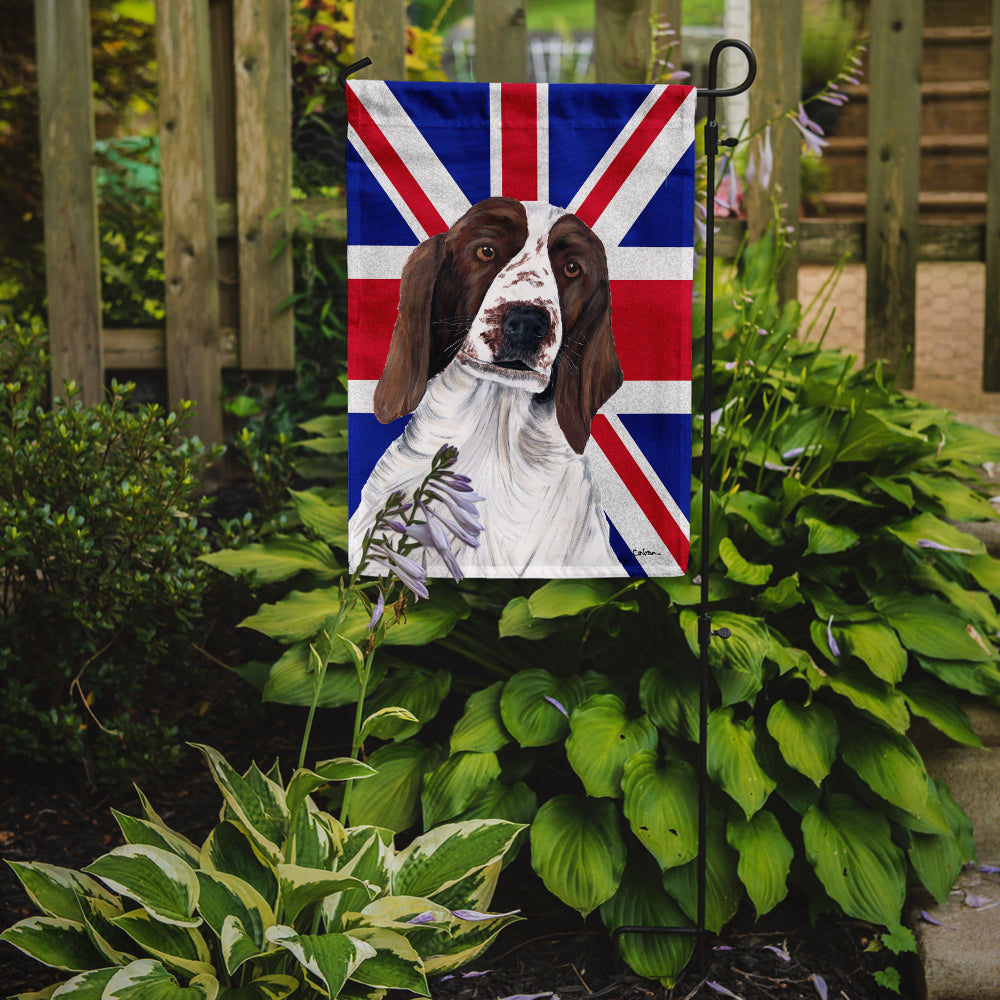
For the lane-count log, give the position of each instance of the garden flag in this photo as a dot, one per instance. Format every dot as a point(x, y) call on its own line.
point(520, 262)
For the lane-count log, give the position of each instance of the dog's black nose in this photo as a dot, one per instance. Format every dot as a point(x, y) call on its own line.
point(524, 327)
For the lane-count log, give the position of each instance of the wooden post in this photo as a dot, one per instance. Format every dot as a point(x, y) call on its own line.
point(622, 40)
point(262, 60)
point(380, 34)
point(991, 333)
point(501, 41)
point(776, 35)
point(893, 183)
point(190, 254)
point(72, 256)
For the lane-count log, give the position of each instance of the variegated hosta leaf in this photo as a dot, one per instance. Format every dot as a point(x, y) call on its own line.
point(56, 891)
point(602, 737)
point(418, 691)
point(225, 897)
point(723, 889)
point(476, 890)
point(329, 959)
point(578, 851)
point(300, 887)
point(304, 782)
point(54, 941)
point(391, 799)
point(256, 801)
point(177, 947)
point(732, 760)
point(230, 849)
point(888, 763)
point(456, 784)
point(535, 706)
point(98, 915)
point(86, 986)
point(315, 838)
point(765, 858)
point(395, 964)
point(807, 736)
point(441, 857)
point(141, 831)
point(850, 847)
point(274, 987)
point(367, 853)
point(158, 880)
point(661, 799)
point(481, 727)
point(466, 941)
point(149, 980)
point(642, 902)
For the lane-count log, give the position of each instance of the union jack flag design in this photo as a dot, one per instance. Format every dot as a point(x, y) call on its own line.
point(621, 158)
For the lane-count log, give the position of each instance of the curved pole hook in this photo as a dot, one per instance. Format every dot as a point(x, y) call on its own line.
point(353, 68)
point(712, 90)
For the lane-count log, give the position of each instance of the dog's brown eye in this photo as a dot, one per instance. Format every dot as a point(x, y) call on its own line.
point(571, 269)
point(486, 252)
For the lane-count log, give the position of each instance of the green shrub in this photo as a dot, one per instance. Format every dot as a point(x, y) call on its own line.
point(99, 541)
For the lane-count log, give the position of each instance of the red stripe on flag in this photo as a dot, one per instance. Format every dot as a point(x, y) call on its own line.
point(519, 141)
point(392, 164)
point(630, 154)
point(651, 321)
point(372, 306)
point(642, 491)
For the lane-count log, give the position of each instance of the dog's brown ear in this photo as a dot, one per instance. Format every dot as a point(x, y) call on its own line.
point(404, 377)
point(589, 370)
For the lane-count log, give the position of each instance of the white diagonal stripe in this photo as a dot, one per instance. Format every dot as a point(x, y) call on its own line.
point(386, 185)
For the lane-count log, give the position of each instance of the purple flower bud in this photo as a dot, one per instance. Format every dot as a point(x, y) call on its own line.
point(820, 983)
point(558, 705)
point(377, 612)
point(834, 648)
point(427, 917)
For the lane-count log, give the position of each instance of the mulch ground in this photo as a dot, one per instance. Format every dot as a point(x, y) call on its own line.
point(550, 953)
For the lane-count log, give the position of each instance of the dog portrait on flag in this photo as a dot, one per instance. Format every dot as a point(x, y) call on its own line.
point(519, 267)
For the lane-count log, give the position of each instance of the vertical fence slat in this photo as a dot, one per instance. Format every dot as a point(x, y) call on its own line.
point(501, 41)
point(893, 183)
point(621, 40)
point(991, 333)
point(72, 257)
point(190, 253)
point(380, 34)
point(261, 42)
point(776, 35)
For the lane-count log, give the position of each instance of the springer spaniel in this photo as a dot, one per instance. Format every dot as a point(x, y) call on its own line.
point(503, 348)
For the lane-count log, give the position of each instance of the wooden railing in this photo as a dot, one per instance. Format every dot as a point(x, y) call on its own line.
point(226, 160)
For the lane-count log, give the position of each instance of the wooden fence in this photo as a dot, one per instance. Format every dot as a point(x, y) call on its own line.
point(226, 161)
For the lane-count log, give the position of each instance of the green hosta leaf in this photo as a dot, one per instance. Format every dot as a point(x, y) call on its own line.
point(391, 798)
point(230, 849)
point(965, 443)
point(301, 887)
point(758, 511)
point(578, 851)
point(738, 661)
point(807, 736)
point(395, 964)
point(141, 831)
point(180, 948)
point(827, 539)
point(976, 678)
point(783, 595)
point(558, 598)
point(928, 528)
point(535, 706)
point(327, 520)
point(671, 700)
point(937, 859)
point(54, 941)
point(279, 558)
point(163, 884)
point(888, 763)
point(602, 738)
point(516, 803)
point(732, 760)
point(850, 847)
point(957, 501)
point(893, 488)
point(292, 680)
point(876, 646)
point(723, 889)
point(765, 858)
point(481, 728)
point(941, 709)
point(330, 959)
point(456, 784)
point(275, 987)
point(147, 979)
point(738, 569)
point(56, 891)
point(517, 620)
point(986, 572)
point(225, 897)
point(661, 798)
point(976, 605)
point(866, 692)
point(438, 859)
point(260, 809)
point(870, 435)
point(932, 628)
point(641, 901)
point(417, 690)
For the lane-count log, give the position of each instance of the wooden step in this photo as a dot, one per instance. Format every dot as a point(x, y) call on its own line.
point(957, 206)
point(956, 53)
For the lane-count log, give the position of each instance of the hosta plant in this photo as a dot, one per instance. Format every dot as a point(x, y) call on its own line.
point(279, 900)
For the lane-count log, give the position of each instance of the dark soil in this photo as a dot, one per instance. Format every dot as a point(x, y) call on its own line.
point(551, 952)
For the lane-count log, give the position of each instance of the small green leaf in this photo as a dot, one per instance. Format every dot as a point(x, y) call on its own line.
point(559, 598)
point(517, 620)
point(481, 727)
point(827, 539)
point(888, 763)
point(279, 558)
point(732, 760)
point(391, 798)
point(765, 858)
point(535, 706)
point(671, 700)
point(328, 521)
point(932, 628)
point(456, 784)
point(807, 736)
point(739, 569)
